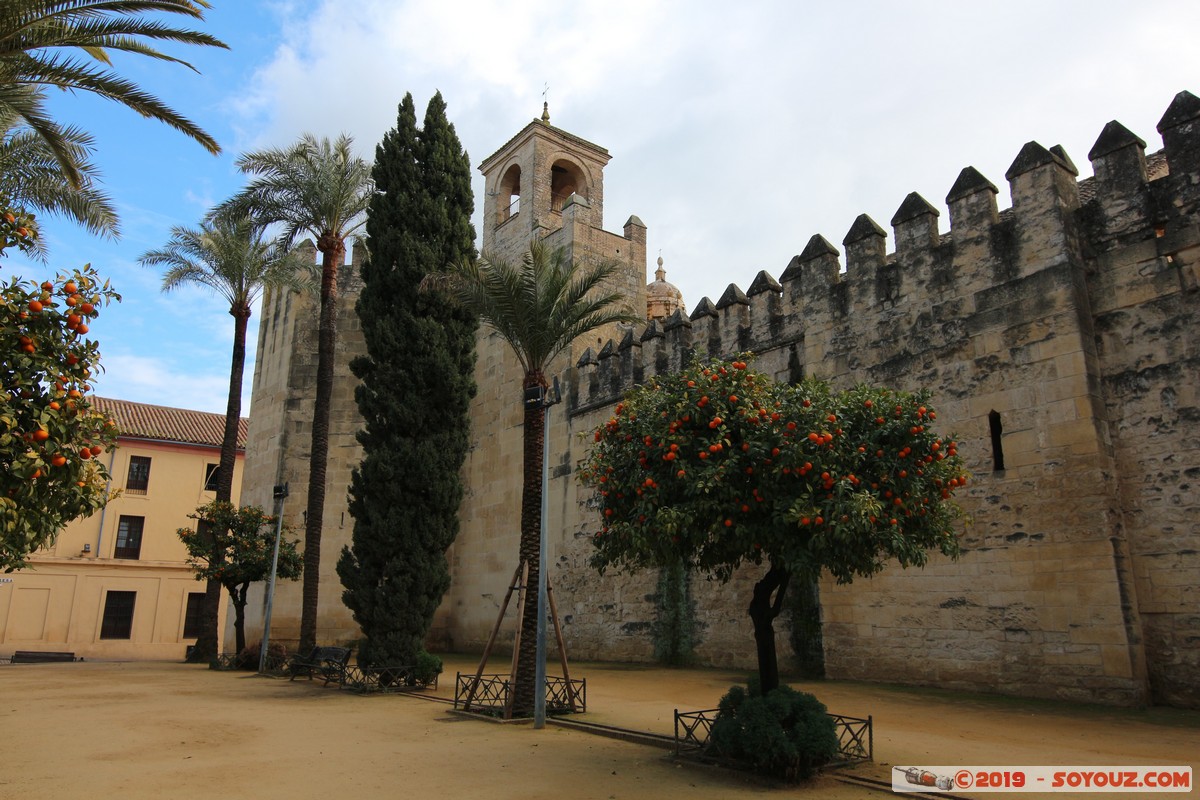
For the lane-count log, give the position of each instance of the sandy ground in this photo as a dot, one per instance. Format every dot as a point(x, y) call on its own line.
point(151, 730)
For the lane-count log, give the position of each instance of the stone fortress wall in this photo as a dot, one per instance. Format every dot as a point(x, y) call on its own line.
point(1058, 338)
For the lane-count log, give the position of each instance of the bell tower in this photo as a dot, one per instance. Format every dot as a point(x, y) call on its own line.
point(532, 178)
point(545, 183)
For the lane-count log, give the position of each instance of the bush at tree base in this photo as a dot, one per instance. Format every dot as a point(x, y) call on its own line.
point(427, 668)
point(424, 671)
point(784, 734)
point(277, 654)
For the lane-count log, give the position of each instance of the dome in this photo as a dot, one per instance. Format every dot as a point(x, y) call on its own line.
point(662, 298)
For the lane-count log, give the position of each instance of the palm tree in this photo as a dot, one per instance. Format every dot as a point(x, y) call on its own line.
point(539, 307)
point(33, 34)
point(31, 178)
point(230, 257)
point(323, 189)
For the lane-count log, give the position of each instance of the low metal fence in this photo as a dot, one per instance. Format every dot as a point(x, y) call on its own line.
point(385, 679)
point(491, 694)
point(276, 664)
point(856, 736)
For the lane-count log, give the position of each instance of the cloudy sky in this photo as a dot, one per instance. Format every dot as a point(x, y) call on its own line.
point(737, 130)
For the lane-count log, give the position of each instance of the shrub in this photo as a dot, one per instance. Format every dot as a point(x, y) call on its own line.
point(427, 668)
point(784, 734)
point(277, 654)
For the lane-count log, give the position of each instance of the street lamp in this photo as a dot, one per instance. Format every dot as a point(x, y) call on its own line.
point(281, 493)
point(536, 396)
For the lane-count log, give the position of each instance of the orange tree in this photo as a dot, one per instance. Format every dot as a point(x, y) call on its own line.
point(236, 546)
point(718, 466)
point(50, 436)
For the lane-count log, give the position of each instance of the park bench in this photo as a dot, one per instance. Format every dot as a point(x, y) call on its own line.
point(39, 657)
point(323, 662)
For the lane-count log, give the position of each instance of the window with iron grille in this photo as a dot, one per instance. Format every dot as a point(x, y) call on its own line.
point(129, 537)
point(212, 474)
point(192, 616)
point(139, 475)
point(118, 615)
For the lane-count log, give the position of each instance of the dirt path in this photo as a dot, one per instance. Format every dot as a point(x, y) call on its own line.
point(151, 730)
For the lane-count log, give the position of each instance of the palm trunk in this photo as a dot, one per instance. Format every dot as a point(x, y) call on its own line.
point(333, 252)
point(763, 612)
point(207, 646)
point(531, 528)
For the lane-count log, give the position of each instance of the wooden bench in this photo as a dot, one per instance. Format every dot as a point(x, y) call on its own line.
point(40, 657)
point(323, 662)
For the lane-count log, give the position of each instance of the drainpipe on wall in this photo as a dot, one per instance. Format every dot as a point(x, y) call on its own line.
point(112, 459)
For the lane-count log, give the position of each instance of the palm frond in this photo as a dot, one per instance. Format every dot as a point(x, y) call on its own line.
point(312, 187)
point(35, 33)
point(230, 257)
point(74, 75)
point(541, 306)
point(31, 177)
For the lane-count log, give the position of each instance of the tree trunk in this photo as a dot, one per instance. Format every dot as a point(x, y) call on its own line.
point(531, 529)
point(207, 647)
point(239, 615)
point(763, 612)
point(333, 252)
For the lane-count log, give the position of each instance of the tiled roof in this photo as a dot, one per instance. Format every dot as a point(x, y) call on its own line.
point(144, 421)
point(536, 123)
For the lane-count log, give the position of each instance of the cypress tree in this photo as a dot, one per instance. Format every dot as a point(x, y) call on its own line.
point(417, 384)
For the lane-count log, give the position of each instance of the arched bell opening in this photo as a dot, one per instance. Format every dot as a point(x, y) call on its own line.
point(566, 178)
point(508, 195)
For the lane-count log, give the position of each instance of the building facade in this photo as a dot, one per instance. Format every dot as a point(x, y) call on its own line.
point(116, 585)
point(1057, 337)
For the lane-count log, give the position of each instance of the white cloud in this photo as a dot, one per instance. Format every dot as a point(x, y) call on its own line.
point(161, 382)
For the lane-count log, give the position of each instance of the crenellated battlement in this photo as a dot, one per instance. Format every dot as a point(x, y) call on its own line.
point(1055, 221)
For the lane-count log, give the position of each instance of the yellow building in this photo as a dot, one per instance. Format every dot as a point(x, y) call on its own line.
point(116, 585)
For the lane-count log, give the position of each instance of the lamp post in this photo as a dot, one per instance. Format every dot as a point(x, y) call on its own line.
point(281, 493)
point(535, 396)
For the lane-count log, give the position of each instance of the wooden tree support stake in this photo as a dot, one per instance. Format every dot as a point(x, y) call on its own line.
point(512, 676)
point(519, 584)
point(513, 585)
